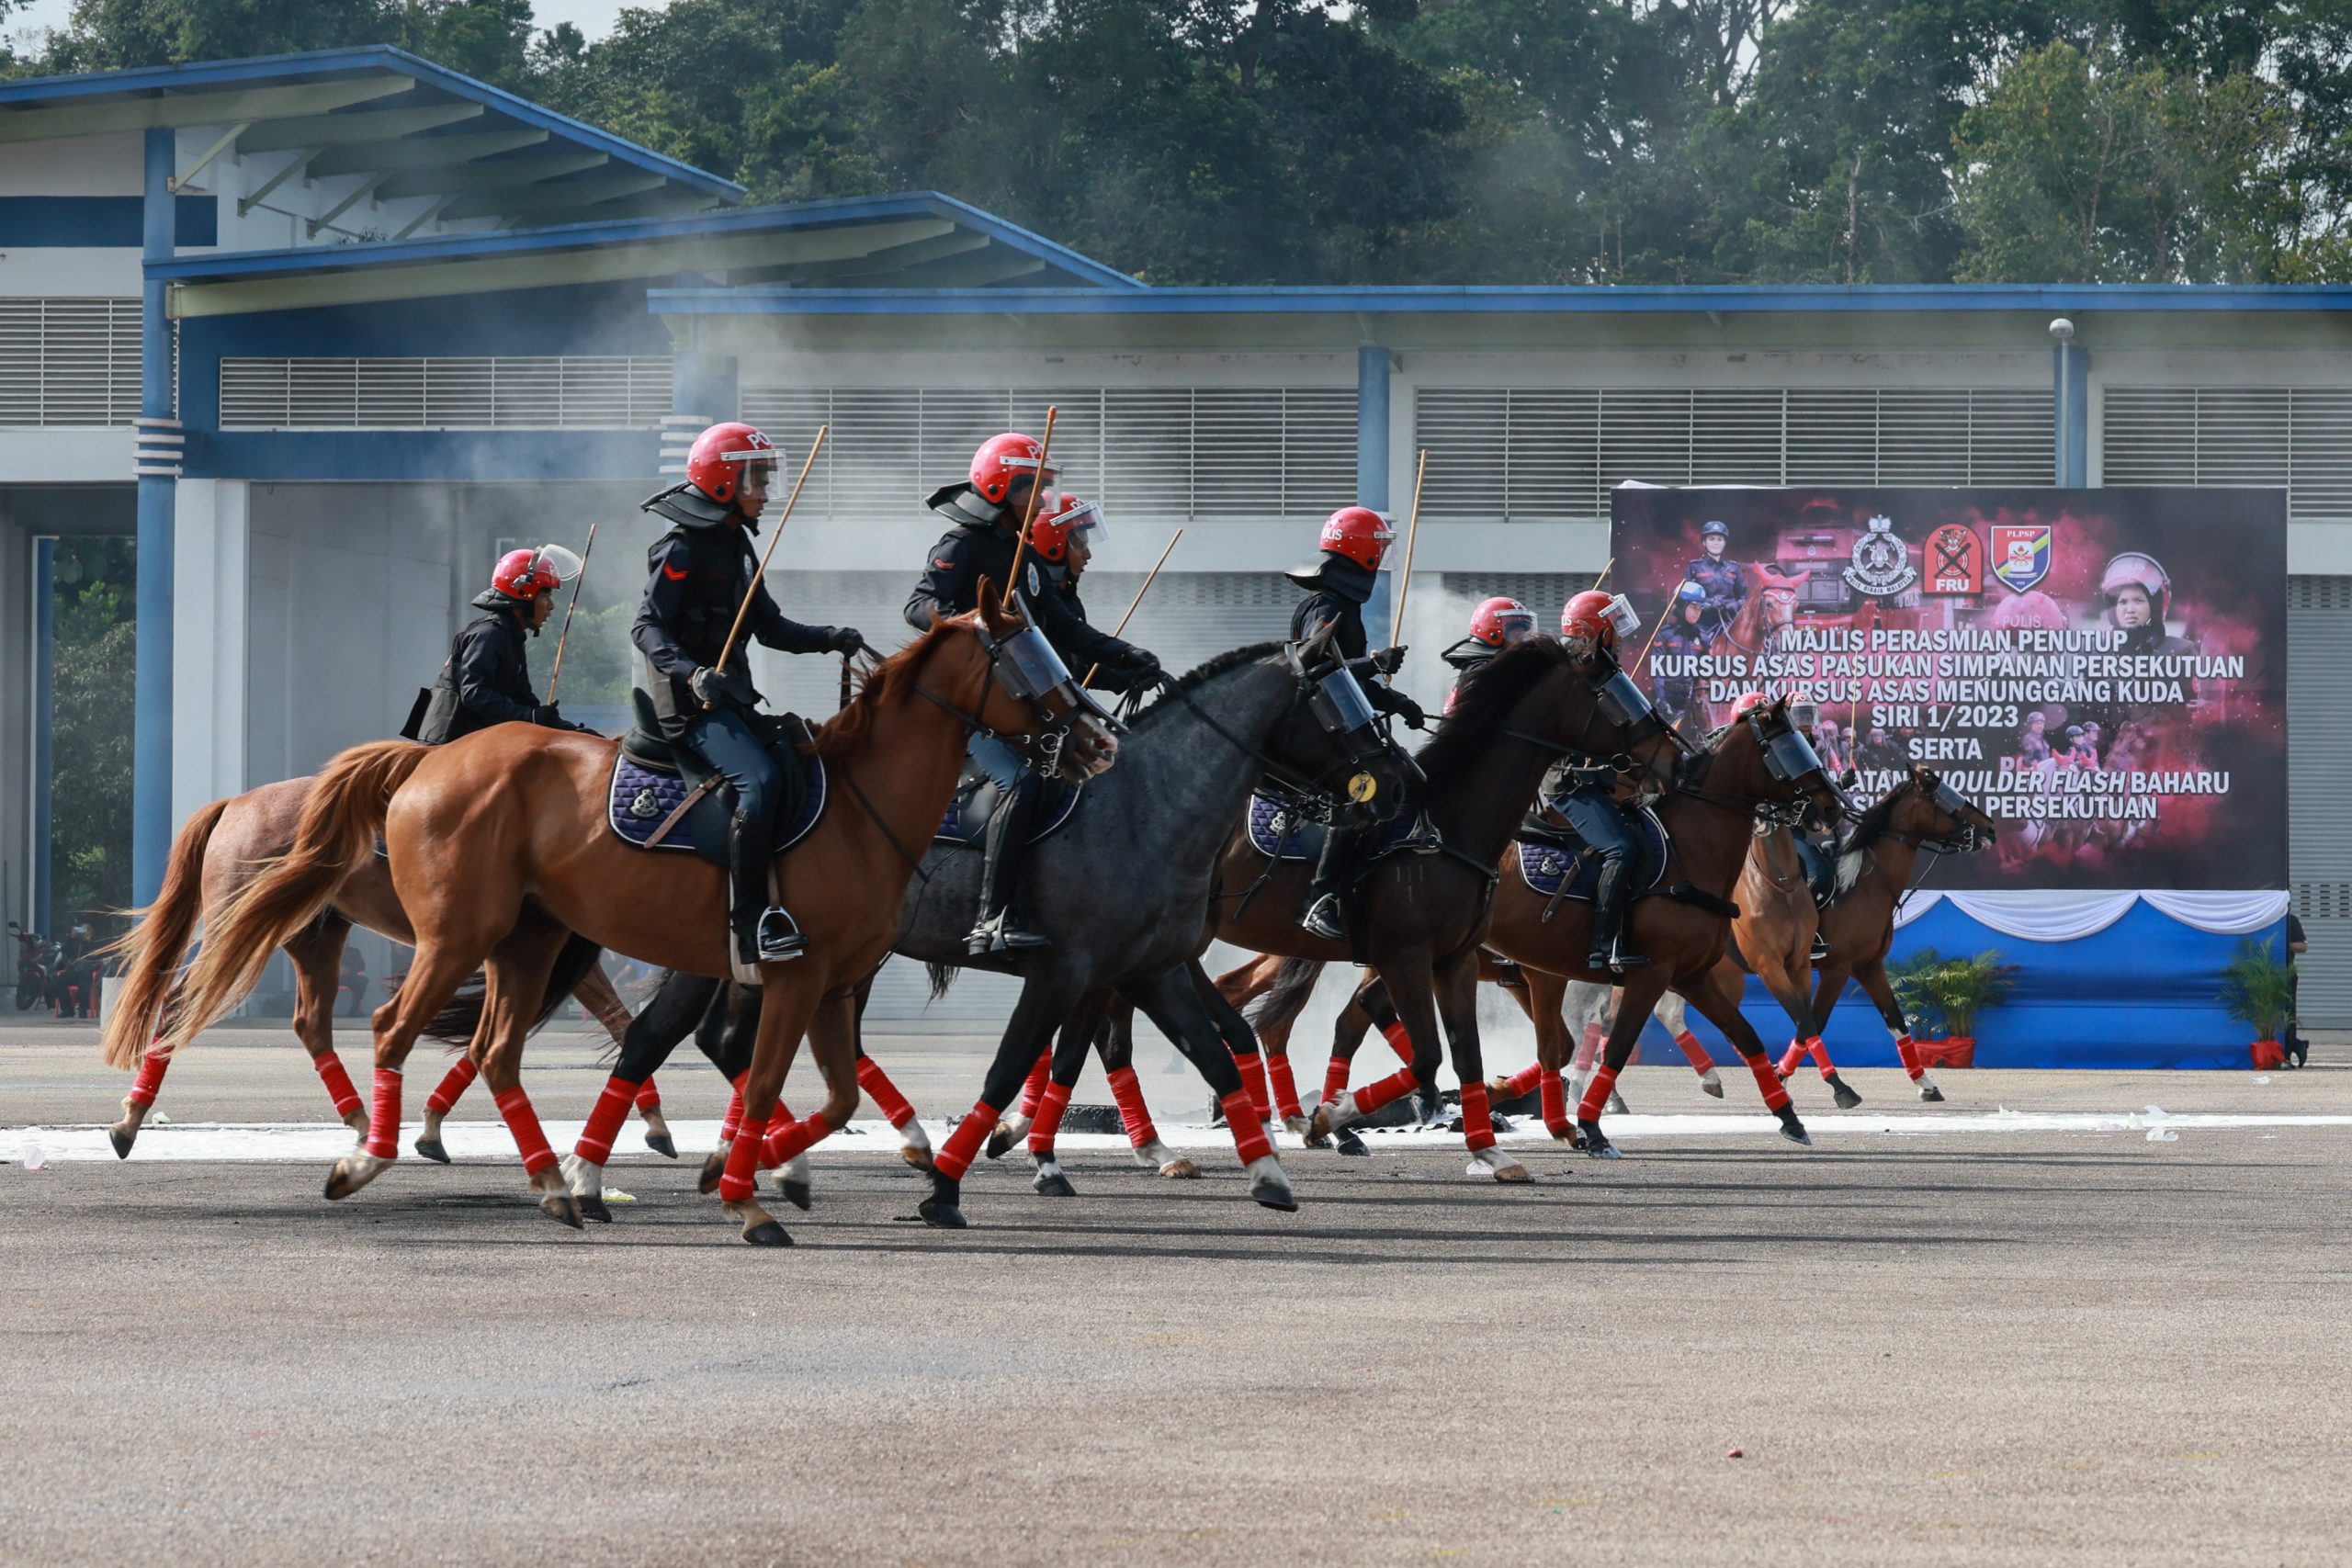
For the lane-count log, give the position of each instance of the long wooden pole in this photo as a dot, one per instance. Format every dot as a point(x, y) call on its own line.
point(1412, 528)
point(1036, 490)
point(727, 650)
point(556, 674)
point(1130, 616)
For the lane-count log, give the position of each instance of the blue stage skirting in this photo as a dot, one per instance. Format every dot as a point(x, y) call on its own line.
point(2145, 992)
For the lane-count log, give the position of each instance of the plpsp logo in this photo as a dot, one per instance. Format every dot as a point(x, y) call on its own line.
point(2022, 553)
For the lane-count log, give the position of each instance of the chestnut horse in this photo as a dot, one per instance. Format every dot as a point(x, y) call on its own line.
point(1419, 917)
point(501, 854)
point(219, 850)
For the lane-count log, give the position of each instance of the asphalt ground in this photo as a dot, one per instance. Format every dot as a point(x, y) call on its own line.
point(2026, 1346)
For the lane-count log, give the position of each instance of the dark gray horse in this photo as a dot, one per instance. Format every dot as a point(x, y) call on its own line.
point(1124, 889)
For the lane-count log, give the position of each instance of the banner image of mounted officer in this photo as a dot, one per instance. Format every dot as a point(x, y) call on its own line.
point(2104, 671)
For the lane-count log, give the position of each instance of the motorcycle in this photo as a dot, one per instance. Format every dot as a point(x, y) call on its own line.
point(37, 959)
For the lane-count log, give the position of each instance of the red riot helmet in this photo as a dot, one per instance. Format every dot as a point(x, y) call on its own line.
point(1059, 518)
point(1001, 460)
point(1745, 702)
point(715, 465)
point(1499, 622)
point(1359, 533)
point(2134, 568)
point(1591, 616)
point(523, 575)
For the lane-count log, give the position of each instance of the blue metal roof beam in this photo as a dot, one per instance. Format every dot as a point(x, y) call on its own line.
point(25, 120)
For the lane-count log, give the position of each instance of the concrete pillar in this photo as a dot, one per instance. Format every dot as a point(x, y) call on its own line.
point(1372, 474)
point(2070, 406)
point(150, 744)
point(210, 573)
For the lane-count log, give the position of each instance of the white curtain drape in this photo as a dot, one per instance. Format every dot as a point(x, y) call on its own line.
point(2054, 915)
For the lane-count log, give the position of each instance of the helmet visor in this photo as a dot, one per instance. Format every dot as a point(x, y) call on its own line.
point(1085, 520)
point(556, 559)
point(1621, 615)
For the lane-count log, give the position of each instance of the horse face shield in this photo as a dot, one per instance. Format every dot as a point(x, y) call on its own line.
point(1967, 835)
point(1790, 758)
point(1077, 734)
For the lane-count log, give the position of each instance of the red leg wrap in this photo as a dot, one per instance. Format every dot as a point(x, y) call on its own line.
point(648, 1097)
point(1478, 1121)
point(883, 1092)
point(1700, 1061)
point(1285, 1087)
point(1776, 1094)
point(1556, 1102)
point(1400, 1039)
point(384, 1116)
point(733, 1123)
point(954, 1156)
point(1596, 1093)
point(1335, 1079)
point(1400, 1083)
point(1134, 1114)
point(1248, 1132)
point(743, 1157)
point(151, 1069)
point(605, 1121)
point(1050, 1106)
point(795, 1140)
point(1589, 1046)
point(1034, 1089)
point(329, 1066)
point(780, 1125)
point(524, 1122)
point(1526, 1079)
point(1252, 1068)
point(1906, 1050)
point(1791, 1056)
point(1812, 1048)
point(454, 1084)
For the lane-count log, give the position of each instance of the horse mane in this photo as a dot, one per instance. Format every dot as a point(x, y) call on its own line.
point(1482, 704)
point(882, 683)
point(1208, 670)
point(1876, 821)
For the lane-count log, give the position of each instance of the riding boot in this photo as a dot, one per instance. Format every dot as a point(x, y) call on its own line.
point(1002, 853)
point(763, 933)
point(1609, 899)
point(1323, 917)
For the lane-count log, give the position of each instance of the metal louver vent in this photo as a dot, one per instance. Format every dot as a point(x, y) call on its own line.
point(1554, 454)
point(1176, 452)
point(69, 362)
point(2297, 436)
point(514, 392)
point(2319, 745)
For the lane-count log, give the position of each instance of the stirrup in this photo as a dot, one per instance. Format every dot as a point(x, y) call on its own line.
point(1322, 919)
point(998, 934)
point(1820, 947)
point(1619, 959)
point(776, 939)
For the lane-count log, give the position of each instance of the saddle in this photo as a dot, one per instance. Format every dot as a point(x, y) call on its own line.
point(978, 799)
point(1560, 865)
point(654, 779)
point(1277, 834)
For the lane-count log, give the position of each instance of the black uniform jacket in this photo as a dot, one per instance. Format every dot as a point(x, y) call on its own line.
point(977, 547)
point(486, 679)
point(1336, 591)
point(696, 579)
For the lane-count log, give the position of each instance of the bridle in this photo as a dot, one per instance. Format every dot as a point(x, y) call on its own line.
point(1966, 837)
point(1359, 741)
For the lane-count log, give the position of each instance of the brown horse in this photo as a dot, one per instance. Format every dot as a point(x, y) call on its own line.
point(1420, 917)
point(1757, 761)
point(500, 854)
point(217, 853)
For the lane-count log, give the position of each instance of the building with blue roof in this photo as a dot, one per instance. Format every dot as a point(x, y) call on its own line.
point(328, 331)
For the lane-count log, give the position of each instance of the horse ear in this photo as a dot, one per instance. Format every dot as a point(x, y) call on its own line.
point(1318, 642)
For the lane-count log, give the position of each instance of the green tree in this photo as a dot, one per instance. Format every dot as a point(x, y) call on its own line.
point(95, 660)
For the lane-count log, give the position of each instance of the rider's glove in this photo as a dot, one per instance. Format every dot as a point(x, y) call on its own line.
point(1143, 661)
point(1409, 710)
point(707, 685)
point(844, 639)
point(545, 715)
point(1389, 660)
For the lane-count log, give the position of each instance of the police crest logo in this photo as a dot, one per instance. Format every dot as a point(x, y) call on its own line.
point(1955, 561)
point(1035, 587)
point(2021, 554)
point(1882, 561)
point(645, 808)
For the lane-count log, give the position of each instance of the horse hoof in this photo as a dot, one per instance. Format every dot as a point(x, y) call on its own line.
point(661, 1143)
point(767, 1233)
point(432, 1149)
point(1564, 1134)
point(1793, 1129)
point(1596, 1142)
point(1616, 1103)
point(1710, 1083)
point(1846, 1099)
point(1296, 1123)
point(121, 1140)
point(1053, 1186)
point(1929, 1093)
point(353, 1172)
point(1180, 1170)
point(591, 1206)
point(942, 1216)
point(918, 1158)
point(999, 1142)
point(1492, 1165)
point(1270, 1185)
point(1347, 1142)
point(562, 1208)
point(714, 1165)
point(799, 1194)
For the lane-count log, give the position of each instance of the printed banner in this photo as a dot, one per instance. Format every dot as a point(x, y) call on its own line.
point(2103, 671)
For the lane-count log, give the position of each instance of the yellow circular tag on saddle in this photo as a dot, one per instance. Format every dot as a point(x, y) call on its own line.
point(1362, 788)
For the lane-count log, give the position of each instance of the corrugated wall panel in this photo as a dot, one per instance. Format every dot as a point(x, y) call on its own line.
point(2319, 760)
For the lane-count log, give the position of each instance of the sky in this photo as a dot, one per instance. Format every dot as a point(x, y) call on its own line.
point(593, 18)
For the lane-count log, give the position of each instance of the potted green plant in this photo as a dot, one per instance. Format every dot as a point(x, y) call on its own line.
point(1948, 994)
point(2259, 992)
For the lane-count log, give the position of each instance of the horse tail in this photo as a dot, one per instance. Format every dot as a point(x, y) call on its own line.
point(460, 1016)
point(1286, 998)
point(942, 976)
point(151, 951)
point(340, 822)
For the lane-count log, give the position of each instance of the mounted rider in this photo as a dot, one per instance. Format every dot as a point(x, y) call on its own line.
point(1683, 635)
point(1720, 579)
point(699, 573)
point(986, 509)
point(1355, 538)
point(1495, 624)
point(1581, 788)
point(1063, 535)
point(486, 679)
